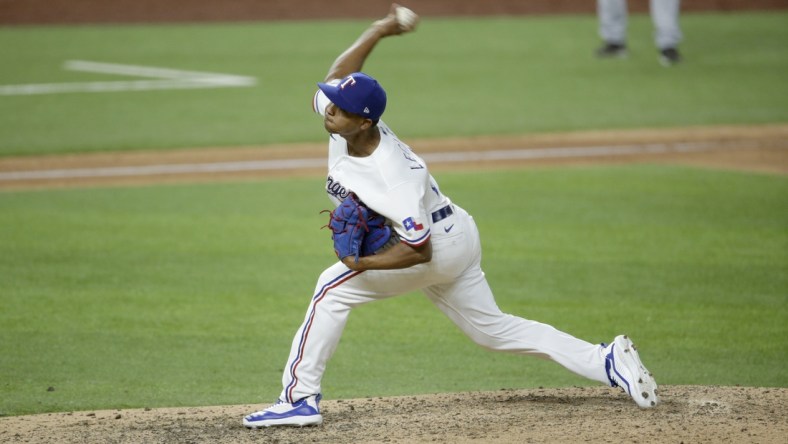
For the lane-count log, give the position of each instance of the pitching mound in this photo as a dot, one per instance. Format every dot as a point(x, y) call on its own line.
point(693, 414)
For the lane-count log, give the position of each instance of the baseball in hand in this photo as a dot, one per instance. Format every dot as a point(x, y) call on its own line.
point(406, 18)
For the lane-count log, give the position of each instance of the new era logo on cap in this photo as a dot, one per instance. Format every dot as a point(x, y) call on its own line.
point(357, 93)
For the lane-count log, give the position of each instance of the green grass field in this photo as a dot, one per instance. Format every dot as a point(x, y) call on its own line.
point(484, 76)
point(190, 294)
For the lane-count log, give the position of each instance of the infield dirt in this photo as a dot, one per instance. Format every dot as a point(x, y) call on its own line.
point(761, 148)
point(687, 414)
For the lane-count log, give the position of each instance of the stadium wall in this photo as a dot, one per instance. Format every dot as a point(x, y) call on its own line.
point(29, 12)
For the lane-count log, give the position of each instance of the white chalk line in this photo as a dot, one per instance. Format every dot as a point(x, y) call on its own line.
point(305, 163)
point(142, 71)
point(166, 78)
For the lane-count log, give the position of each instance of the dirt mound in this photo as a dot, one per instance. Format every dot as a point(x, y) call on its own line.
point(696, 414)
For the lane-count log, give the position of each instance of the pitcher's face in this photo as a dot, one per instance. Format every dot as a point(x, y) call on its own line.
point(339, 121)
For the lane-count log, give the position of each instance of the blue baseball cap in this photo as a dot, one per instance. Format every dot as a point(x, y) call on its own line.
point(359, 94)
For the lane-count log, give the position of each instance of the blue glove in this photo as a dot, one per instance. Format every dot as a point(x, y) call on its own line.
point(378, 233)
point(356, 230)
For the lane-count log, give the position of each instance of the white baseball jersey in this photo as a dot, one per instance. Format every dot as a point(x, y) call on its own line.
point(393, 181)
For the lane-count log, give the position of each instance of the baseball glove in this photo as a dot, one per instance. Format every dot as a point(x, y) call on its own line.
point(357, 230)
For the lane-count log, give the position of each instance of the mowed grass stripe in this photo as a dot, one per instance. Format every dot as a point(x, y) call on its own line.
point(190, 294)
point(452, 78)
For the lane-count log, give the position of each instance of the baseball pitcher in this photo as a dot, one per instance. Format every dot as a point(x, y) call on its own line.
point(394, 231)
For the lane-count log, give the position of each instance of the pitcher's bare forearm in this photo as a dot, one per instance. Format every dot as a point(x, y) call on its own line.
point(400, 255)
point(353, 58)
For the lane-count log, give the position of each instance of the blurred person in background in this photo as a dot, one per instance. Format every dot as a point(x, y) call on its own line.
point(612, 16)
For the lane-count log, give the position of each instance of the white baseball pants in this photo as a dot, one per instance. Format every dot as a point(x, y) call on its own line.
point(612, 16)
point(455, 283)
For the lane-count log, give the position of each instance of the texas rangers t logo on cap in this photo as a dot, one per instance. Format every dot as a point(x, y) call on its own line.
point(357, 93)
point(348, 81)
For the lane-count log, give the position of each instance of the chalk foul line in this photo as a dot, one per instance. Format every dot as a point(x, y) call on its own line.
point(164, 78)
point(309, 163)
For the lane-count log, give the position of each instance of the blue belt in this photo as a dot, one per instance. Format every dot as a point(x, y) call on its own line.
point(443, 213)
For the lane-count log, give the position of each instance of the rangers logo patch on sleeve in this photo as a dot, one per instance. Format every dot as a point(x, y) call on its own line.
point(410, 224)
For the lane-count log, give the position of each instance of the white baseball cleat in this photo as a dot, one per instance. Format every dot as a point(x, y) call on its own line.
point(625, 370)
point(301, 413)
